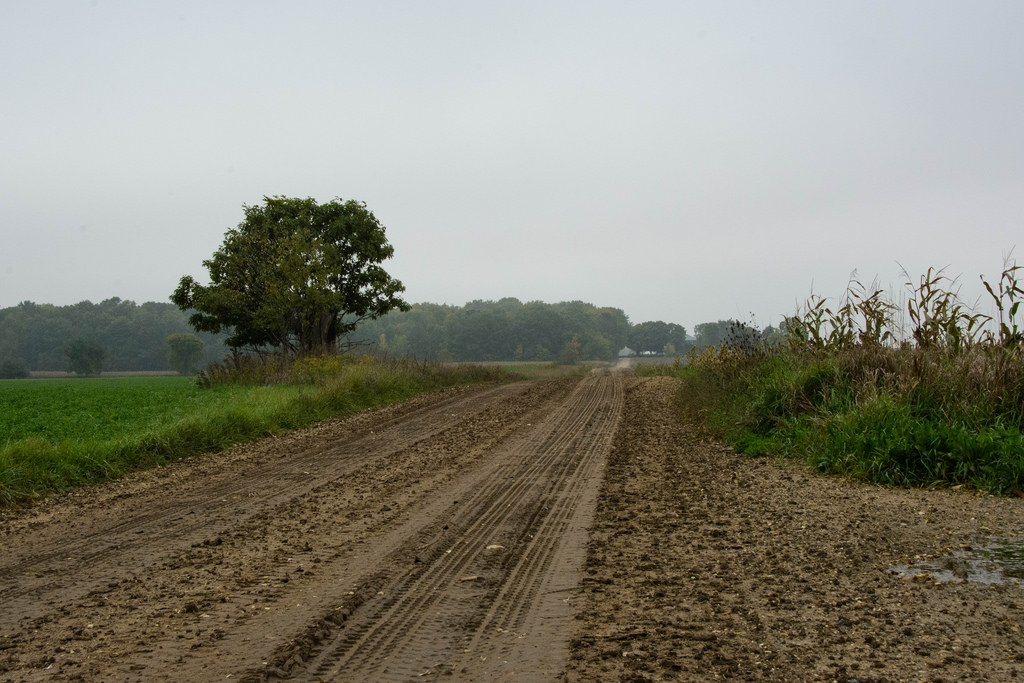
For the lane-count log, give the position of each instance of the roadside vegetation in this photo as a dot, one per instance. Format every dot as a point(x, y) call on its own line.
point(60, 434)
point(927, 392)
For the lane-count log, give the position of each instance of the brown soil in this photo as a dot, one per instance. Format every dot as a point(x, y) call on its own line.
point(707, 565)
point(570, 529)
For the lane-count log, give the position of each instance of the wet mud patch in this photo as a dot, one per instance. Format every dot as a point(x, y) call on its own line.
point(998, 561)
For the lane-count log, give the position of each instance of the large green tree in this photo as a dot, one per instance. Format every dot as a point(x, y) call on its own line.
point(295, 275)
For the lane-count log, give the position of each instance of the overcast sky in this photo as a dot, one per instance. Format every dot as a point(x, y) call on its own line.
point(682, 161)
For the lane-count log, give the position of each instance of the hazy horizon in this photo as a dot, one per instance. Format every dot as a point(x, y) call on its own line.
point(684, 162)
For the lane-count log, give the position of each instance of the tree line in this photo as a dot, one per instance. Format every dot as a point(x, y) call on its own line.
point(509, 329)
point(121, 335)
point(111, 335)
point(300, 277)
point(296, 278)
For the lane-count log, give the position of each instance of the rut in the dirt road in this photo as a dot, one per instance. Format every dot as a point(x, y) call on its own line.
point(440, 537)
point(487, 599)
point(128, 529)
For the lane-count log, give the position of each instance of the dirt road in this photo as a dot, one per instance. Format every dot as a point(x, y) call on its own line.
point(572, 529)
point(442, 536)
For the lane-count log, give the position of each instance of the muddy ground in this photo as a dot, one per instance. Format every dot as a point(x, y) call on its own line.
point(707, 565)
point(558, 530)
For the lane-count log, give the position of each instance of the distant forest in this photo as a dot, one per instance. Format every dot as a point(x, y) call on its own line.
point(132, 336)
point(509, 330)
point(35, 337)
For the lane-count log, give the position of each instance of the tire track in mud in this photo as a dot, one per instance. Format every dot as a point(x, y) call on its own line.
point(31, 570)
point(453, 610)
point(505, 634)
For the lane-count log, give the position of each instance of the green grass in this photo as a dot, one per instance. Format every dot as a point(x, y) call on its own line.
point(903, 418)
point(57, 434)
point(935, 400)
point(943, 412)
point(99, 409)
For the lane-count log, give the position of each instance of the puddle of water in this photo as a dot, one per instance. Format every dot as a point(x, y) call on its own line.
point(999, 561)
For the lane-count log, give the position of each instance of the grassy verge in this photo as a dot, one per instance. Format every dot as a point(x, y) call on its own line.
point(944, 407)
point(64, 433)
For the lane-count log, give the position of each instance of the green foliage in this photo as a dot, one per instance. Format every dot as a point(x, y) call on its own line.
point(712, 333)
point(508, 330)
point(1007, 301)
point(886, 440)
point(96, 408)
point(185, 353)
point(294, 275)
point(134, 335)
point(64, 433)
point(13, 368)
point(85, 357)
point(937, 316)
point(654, 336)
point(945, 406)
point(861, 318)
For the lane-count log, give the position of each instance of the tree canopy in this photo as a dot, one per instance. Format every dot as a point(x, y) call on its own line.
point(713, 333)
point(655, 336)
point(295, 275)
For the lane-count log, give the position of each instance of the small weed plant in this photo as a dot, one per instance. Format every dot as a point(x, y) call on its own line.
point(927, 393)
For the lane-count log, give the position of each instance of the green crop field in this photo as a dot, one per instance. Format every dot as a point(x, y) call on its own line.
point(99, 409)
point(56, 434)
